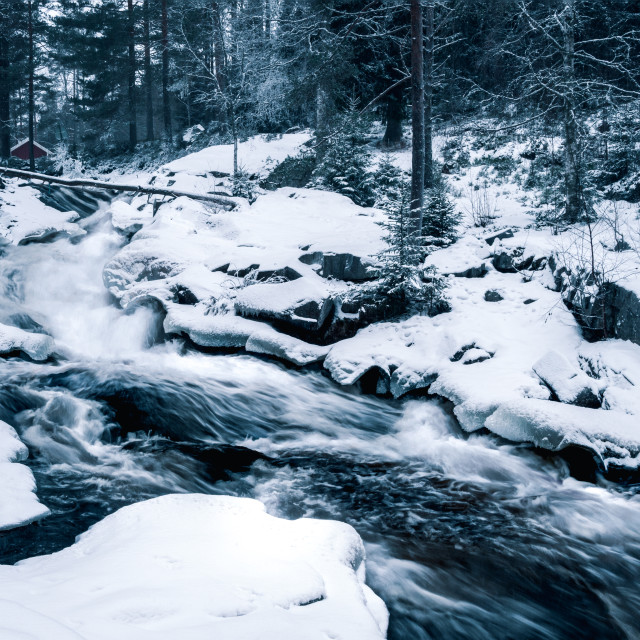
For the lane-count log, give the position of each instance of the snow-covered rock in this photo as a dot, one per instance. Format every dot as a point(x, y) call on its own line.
point(569, 383)
point(126, 218)
point(18, 502)
point(613, 436)
point(230, 331)
point(37, 346)
point(196, 566)
point(25, 218)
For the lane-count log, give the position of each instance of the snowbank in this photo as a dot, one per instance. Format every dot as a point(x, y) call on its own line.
point(196, 566)
point(18, 502)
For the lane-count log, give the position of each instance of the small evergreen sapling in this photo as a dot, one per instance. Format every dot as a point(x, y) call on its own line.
point(440, 219)
point(402, 274)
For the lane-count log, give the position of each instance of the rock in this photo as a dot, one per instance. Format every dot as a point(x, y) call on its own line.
point(473, 272)
point(502, 235)
point(569, 383)
point(345, 266)
point(504, 263)
point(492, 296)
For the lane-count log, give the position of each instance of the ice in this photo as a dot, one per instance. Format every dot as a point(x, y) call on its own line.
point(196, 566)
point(18, 502)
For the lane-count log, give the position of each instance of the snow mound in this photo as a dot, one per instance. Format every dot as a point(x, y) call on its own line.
point(201, 567)
point(613, 436)
point(18, 502)
point(37, 346)
point(230, 331)
point(128, 219)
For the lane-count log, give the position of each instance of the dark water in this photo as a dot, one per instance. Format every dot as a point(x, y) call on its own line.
point(468, 537)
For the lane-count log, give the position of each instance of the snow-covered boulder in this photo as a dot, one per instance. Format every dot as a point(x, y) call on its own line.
point(18, 502)
point(569, 383)
point(200, 567)
point(613, 436)
point(37, 346)
point(127, 219)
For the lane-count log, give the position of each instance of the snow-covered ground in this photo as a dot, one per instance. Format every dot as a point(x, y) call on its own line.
point(196, 566)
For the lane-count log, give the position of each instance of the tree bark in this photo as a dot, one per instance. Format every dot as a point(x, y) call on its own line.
point(428, 110)
point(417, 117)
point(573, 201)
point(5, 100)
point(148, 79)
point(32, 101)
point(133, 127)
point(166, 105)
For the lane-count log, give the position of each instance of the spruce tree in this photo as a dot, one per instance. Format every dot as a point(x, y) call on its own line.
point(440, 219)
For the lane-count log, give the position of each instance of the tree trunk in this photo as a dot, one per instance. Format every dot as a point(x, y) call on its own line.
point(417, 117)
point(428, 110)
point(573, 204)
point(148, 79)
point(166, 105)
point(133, 128)
point(32, 102)
point(5, 100)
point(394, 112)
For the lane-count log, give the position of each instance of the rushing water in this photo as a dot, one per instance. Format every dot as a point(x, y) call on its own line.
point(467, 536)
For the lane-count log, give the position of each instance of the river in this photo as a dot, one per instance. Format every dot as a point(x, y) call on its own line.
point(467, 536)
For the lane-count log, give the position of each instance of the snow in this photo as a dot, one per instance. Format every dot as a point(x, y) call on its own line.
point(37, 346)
point(126, 218)
point(196, 566)
point(230, 331)
point(254, 155)
point(614, 436)
point(18, 502)
point(23, 216)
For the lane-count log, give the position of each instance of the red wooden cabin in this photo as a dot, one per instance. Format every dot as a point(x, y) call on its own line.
point(21, 150)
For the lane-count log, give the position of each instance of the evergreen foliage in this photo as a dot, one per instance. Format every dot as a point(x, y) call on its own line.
point(402, 274)
point(344, 164)
point(440, 219)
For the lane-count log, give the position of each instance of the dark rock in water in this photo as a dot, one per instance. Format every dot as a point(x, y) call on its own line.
point(44, 236)
point(502, 235)
point(182, 295)
point(492, 296)
point(504, 263)
point(473, 272)
point(345, 266)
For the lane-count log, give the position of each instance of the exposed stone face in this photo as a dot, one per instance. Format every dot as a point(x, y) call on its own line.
point(622, 319)
point(493, 296)
point(345, 266)
point(503, 262)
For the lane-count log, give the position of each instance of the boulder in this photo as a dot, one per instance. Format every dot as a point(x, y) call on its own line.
point(492, 296)
point(345, 266)
point(567, 382)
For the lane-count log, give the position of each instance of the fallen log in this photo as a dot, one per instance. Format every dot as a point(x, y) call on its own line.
point(85, 183)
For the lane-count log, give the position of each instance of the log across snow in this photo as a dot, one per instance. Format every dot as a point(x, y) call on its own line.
point(197, 567)
point(18, 502)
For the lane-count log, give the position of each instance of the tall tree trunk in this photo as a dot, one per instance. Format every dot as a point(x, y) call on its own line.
point(133, 128)
point(322, 119)
point(417, 117)
point(428, 111)
point(148, 79)
point(394, 112)
point(573, 204)
point(166, 105)
point(5, 100)
point(32, 101)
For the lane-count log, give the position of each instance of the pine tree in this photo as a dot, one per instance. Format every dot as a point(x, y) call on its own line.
point(402, 275)
point(344, 167)
point(440, 219)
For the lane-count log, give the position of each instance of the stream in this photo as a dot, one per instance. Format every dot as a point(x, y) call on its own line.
point(467, 536)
